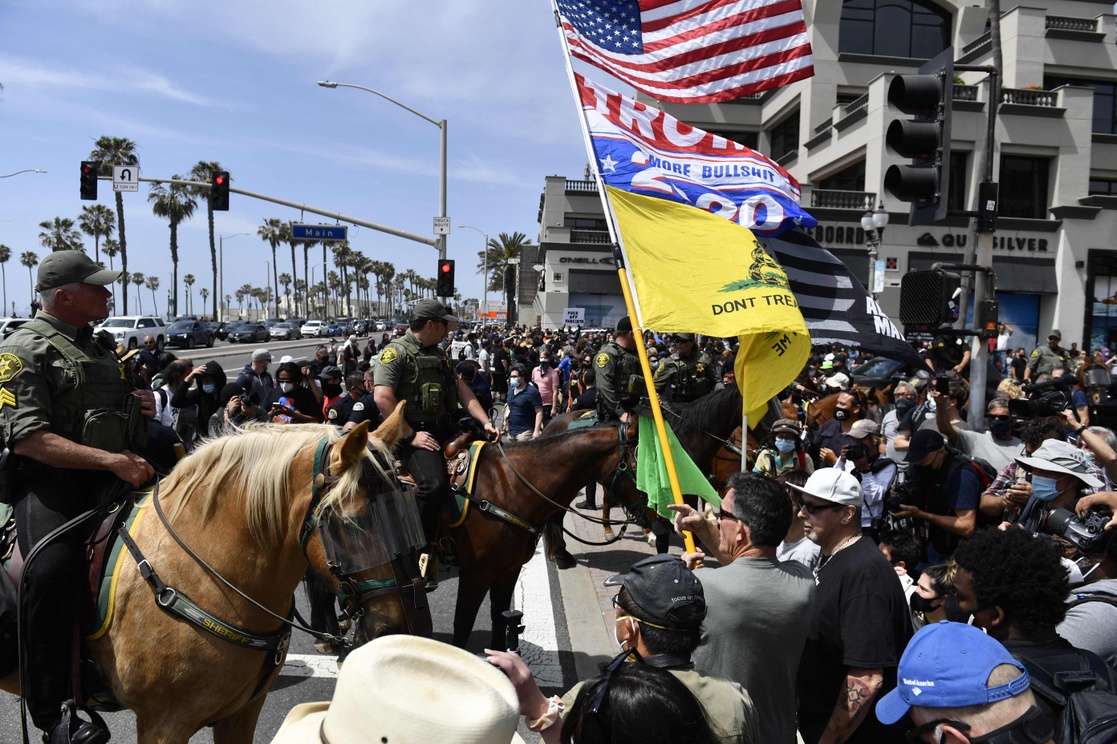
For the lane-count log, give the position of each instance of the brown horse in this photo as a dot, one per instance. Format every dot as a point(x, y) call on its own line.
point(530, 480)
point(247, 505)
point(822, 410)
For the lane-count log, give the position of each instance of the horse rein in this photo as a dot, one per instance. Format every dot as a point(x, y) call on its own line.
point(728, 443)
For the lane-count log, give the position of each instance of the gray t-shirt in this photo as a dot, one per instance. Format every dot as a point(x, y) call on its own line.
point(1093, 625)
point(998, 453)
point(759, 612)
point(804, 551)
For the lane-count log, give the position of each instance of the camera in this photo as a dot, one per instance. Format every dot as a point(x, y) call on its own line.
point(903, 494)
point(1046, 399)
point(942, 385)
point(1087, 534)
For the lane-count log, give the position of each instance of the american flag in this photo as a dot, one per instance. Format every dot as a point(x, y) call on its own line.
point(691, 51)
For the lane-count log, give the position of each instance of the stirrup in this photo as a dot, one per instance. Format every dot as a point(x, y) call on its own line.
point(428, 567)
point(73, 730)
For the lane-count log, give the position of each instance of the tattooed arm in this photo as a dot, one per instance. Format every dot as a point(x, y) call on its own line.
point(854, 703)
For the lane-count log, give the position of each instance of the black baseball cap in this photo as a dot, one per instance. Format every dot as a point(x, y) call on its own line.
point(665, 590)
point(624, 325)
point(65, 267)
point(923, 443)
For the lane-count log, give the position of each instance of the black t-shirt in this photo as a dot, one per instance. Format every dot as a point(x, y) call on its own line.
point(301, 399)
point(498, 363)
point(861, 619)
point(587, 401)
point(1018, 366)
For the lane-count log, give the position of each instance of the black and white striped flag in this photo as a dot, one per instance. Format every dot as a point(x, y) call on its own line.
point(835, 306)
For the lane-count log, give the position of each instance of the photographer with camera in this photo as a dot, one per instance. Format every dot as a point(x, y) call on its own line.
point(1091, 621)
point(863, 461)
point(953, 393)
point(943, 491)
point(833, 435)
point(1060, 475)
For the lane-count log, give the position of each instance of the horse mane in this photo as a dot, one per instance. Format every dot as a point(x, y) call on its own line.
point(254, 462)
point(706, 413)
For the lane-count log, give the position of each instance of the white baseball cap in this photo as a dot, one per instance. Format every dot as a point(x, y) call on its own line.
point(831, 484)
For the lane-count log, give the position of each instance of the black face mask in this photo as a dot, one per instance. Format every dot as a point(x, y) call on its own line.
point(842, 414)
point(903, 405)
point(331, 391)
point(923, 605)
point(1000, 428)
point(954, 613)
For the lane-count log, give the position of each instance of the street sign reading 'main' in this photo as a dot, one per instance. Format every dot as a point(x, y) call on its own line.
point(319, 232)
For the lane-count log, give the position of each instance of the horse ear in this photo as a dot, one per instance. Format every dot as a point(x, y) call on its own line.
point(388, 432)
point(353, 447)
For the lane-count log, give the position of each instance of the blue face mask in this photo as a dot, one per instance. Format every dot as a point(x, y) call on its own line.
point(1045, 489)
point(208, 389)
point(785, 445)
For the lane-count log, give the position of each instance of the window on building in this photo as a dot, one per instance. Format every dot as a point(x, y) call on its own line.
point(1103, 187)
point(1105, 100)
point(894, 28)
point(1023, 186)
point(959, 178)
point(850, 179)
point(784, 137)
point(748, 139)
point(557, 277)
point(584, 223)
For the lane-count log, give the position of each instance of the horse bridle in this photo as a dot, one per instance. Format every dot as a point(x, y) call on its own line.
point(353, 591)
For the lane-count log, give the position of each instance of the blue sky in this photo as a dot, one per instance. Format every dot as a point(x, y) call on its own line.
point(235, 82)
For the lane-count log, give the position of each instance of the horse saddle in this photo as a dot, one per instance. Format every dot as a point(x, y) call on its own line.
point(104, 556)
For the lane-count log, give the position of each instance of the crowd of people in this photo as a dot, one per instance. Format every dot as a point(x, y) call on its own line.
point(888, 571)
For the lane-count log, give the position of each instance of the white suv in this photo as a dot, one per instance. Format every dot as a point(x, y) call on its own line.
point(315, 329)
point(131, 329)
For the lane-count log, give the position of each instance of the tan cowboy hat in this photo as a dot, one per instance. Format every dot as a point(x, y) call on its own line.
point(409, 690)
point(124, 354)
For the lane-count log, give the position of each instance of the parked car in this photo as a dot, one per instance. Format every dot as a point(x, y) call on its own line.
point(315, 329)
point(248, 333)
point(189, 333)
point(381, 325)
point(223, 329)
point(287, 330)
point(7, 325)
point(131, 329)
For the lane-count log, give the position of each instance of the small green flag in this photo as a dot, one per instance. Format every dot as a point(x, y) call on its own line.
point(651, 471)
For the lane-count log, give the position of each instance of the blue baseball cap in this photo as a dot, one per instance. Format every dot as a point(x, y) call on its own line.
point(947, 665)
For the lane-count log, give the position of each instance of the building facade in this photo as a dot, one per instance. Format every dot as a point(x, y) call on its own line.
point(1055, 156)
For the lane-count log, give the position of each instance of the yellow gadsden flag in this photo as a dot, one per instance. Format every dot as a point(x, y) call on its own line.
point(696, 272)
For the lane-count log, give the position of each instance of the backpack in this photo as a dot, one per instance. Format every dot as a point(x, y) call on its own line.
point(1075, 698)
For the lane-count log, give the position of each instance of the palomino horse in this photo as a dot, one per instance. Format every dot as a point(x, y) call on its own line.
point(530, 481)
point(247, 504)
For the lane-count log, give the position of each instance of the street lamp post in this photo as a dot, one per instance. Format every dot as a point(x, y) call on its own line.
point(441, 124)
point(485, 253)
point(324, 264)
point(267, 287)
point(873, 223)
point(221, 299)
point(25, 170)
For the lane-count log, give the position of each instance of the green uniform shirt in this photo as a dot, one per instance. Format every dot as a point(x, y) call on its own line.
point(613, 366)
point(1045, 359)
point(421, 375)
point(37, 382)
point(685, 379)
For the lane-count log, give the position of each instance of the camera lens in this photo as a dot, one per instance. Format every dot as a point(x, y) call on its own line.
point(1057, 521)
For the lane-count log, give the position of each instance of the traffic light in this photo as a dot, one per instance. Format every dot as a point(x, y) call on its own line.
point(219, 191)
point(445, 279)
point(89, 171)
point(928, 299)
point(925, 139)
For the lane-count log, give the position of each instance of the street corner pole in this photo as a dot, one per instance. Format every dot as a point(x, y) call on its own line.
point(442, 126)
point(657, 411)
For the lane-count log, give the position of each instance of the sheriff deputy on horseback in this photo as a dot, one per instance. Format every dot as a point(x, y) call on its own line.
point(688, 374)
point(414, 368)
point(74, 424)
point(615, 365)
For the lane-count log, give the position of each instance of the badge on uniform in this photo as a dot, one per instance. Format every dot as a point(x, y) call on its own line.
point(332, 414)
point(388, 356)
point(358, 406)
point(7, 398)
point(10, 366)
point(602, 360)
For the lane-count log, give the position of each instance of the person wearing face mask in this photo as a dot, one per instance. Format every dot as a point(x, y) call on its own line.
point(834, 434)
point(255, 378)
point(546, 378)
point(998, 446)
point(290, 402)
point(523, 418)
point(930, 602)
point(905, 399)
point(330, 380)
point(205, 397)
point(1060, 474)
point(783, 451)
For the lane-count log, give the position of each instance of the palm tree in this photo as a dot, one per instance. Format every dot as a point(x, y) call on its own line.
point(244, 291)
point(342, 254)
point(29, 259)
point(188, 281)
point(307, 245)
point(5, 256)
point(117, 151)
point(389, 276)
point(174, 203)
point(285, 282)
point(59, 235)
point(203, 171)
point(152, 283)
point(97, 221)
point(272, 233)
point(500, 249)
point(111, 249)
point(286, 237)
point(138, 279)
point(205, 294)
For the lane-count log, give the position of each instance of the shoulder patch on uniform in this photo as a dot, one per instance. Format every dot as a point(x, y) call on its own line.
point(602, 360)
point(10, 366)
point(1035, 353)
point(332, 414)
point(388, 356)
point(358, 406)
point(8, 398)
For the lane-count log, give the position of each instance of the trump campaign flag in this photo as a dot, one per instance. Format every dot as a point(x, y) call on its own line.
point(683, 205)
point(691, 51)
